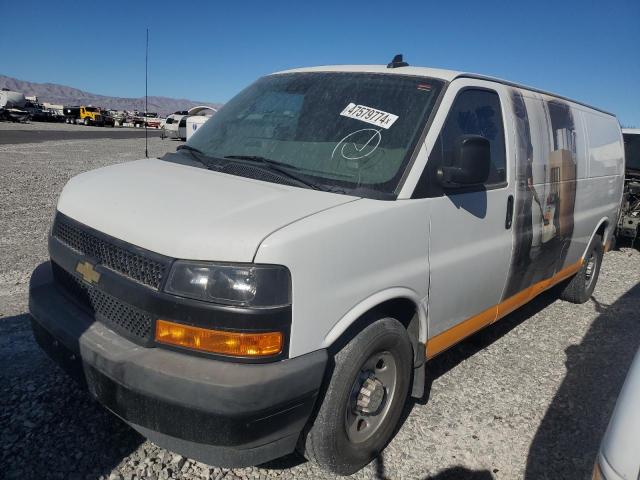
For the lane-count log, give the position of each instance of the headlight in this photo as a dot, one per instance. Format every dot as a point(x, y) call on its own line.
point(243, 285)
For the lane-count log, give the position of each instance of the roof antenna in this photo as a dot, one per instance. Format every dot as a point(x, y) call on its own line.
point(397, 62)
point(146, 99)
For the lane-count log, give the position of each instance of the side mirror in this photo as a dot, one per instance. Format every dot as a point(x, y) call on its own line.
point(471, 163)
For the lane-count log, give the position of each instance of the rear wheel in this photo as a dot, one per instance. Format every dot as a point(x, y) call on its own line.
point(581, 286)
point(364, 399)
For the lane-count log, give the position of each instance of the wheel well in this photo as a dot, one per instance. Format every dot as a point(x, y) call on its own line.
point(402, 309)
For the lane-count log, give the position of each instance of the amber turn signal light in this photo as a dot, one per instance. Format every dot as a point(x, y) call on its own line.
point(237, 344)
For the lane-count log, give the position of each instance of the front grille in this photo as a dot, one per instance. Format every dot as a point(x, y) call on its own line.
point(106, 308)
point(138, 267)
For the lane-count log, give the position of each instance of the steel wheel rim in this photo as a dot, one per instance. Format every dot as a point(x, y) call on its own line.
point(379, 367)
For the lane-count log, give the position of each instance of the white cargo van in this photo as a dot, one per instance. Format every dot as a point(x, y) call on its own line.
point(282, 280)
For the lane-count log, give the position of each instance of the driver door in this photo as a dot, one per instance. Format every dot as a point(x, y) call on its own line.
point(471, 237)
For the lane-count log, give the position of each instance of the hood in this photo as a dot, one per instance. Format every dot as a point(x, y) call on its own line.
point(187, 212)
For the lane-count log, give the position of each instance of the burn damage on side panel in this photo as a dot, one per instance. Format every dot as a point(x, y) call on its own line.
point(546, 170)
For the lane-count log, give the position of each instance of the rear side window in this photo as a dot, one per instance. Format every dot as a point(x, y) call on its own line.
point(475, 112)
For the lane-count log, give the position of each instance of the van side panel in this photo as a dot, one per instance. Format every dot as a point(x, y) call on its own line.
point(569, 178)
point(601, 193)
point(549, 162)
point(583, 223)
point(605, 147)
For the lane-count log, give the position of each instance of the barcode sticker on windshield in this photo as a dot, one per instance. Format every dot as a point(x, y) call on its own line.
point(369, 115)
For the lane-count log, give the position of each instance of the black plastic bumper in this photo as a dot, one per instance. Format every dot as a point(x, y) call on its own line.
point(219, 412)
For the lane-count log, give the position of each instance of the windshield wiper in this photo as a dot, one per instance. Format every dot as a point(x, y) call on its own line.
point(196, 154)
point(258, 158)
point(190, 148)
point(280, 167)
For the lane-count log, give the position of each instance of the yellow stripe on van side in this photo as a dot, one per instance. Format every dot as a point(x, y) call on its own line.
point(439, 343)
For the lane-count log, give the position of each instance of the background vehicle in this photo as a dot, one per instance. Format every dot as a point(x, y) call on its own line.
point(151, 119)
point(83, 115)
point(38, 113)
point(12, 106)
point(629, 222)
point(618, 458)
point(175, 125)
point(108, 118)
point(197, 117)
point(56, 111)
point(282, 279)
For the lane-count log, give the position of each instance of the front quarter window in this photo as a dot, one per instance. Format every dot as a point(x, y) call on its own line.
point(354, 131)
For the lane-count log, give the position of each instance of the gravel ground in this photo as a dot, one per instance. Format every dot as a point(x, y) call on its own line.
point(527, 398)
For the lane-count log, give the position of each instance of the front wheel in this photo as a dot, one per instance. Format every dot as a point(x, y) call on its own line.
point(364, 399)
point(581, 286)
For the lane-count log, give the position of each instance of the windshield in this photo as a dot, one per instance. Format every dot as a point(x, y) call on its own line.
point(349, 130)
point(632, 150)
point(91, 109)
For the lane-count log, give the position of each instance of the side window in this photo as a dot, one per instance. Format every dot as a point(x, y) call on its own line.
point(476, 112)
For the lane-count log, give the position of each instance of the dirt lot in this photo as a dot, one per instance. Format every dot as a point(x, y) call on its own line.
point(527, 398)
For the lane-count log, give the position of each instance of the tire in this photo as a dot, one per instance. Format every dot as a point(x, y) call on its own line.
point(343, 438)
point(86, 122)
point(581, 286)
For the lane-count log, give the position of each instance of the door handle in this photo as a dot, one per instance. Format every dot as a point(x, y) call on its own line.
point(509, 220)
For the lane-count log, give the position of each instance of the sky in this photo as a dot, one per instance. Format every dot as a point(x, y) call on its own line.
point(210, 50)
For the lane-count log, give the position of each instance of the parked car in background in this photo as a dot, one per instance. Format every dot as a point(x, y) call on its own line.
point(619, 455)
point(629, 222)
point(282, 279)
point(150, 119)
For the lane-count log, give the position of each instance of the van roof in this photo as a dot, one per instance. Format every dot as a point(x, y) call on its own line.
point(447, 75)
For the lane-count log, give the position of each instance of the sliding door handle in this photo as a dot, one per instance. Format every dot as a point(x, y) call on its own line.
point(509, 220)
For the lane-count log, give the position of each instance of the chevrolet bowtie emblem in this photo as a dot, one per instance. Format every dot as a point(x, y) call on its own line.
point(88, 272)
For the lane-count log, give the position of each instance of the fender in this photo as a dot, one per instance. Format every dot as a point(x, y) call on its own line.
point(603, 220)
point(372, 301)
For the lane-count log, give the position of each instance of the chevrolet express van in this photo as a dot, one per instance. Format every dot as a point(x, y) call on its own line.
point(282, 279)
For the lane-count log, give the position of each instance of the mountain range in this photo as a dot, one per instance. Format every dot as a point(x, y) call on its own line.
point(62, 94)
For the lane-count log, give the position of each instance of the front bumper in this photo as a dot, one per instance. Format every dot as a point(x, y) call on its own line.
point(218, 412)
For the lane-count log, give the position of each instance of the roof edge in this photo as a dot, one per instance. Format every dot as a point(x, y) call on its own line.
point(441, 74)
point(532, 89)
